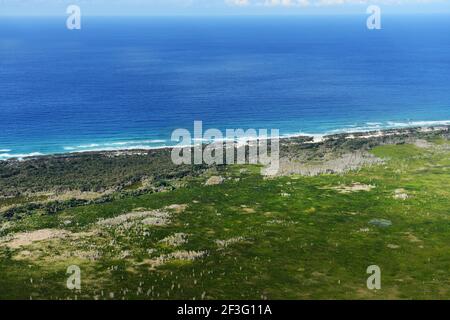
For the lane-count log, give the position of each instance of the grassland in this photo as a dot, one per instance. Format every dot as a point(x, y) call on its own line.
point(250, 237)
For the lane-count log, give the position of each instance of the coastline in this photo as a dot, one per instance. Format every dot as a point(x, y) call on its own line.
point(358, 194)
point(141, 170)
point(97, 202)
point(304, 138)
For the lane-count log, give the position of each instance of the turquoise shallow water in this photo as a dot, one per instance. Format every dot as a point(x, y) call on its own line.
point(129, 82)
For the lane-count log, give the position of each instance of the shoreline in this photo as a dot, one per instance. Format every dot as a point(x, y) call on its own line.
point(305, 138)
point(56, 182)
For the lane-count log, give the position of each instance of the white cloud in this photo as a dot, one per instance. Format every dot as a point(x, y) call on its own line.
point(318, 3)
point(175, 7)
point(239, 3)
point(284, 3)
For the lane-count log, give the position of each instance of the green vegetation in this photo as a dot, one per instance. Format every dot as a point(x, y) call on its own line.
point(250, 237)
point(88, 171)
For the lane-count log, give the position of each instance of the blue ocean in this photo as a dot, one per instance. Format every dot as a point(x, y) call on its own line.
point(123, 83)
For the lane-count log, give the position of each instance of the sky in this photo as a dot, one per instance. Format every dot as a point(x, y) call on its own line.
point(217, 7)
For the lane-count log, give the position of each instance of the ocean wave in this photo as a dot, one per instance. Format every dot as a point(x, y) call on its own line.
point(418, 123)
point(356, 129)
point(161, 144)
point(376, 126)
point(123, 143)
point(108, 145)
point(317, 137)
point(84, 146)
point(121, 148)
point(20, 156)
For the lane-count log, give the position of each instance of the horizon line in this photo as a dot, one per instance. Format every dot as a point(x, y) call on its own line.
point(26, 15)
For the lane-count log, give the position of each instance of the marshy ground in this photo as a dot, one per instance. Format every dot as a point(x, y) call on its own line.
point(244, 236)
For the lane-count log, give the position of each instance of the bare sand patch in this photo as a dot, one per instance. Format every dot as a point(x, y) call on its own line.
point(345, 163)
point(228, 242)
point(177, 255)
point(423, 144)
point(49, 257)
point(214, 180)
point(91, 255)
point(175, 240)
point(178, 208)
point(129, 217)
point(248, 210)
point(412, 238)
point(78, 195)
point(158, 217)
point(355, 187)
point(400, 194)
point(27, 238)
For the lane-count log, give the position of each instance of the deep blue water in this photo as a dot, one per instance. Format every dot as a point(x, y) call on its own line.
point(128, 82)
